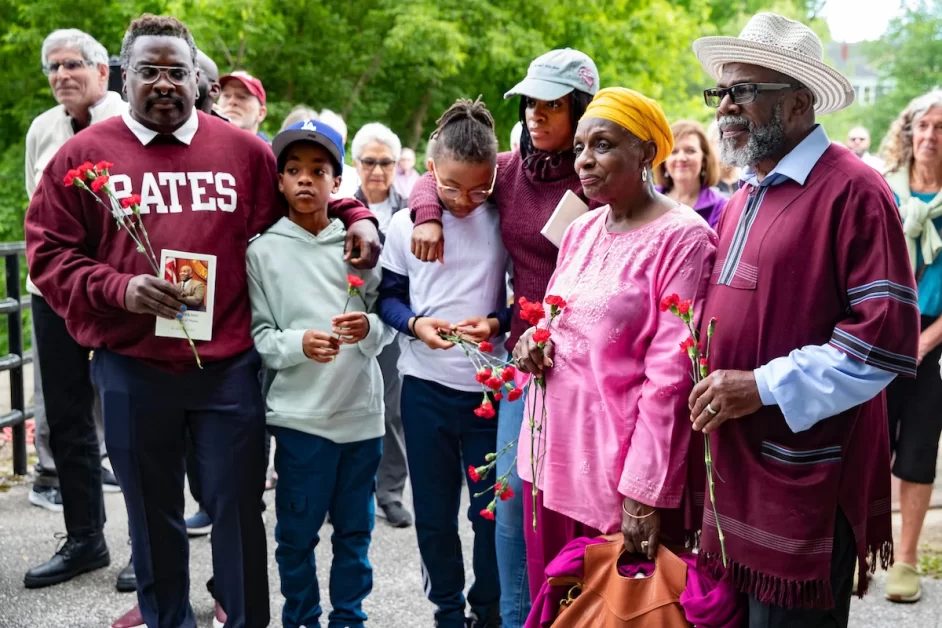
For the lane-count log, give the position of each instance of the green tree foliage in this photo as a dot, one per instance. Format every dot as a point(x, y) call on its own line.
point(398, 62)
point(910, 59)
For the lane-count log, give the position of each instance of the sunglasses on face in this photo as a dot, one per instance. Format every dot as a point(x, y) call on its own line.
point(741, 94)
point(150, 73)
point(70, 65)
point(453, 194)
point(369, 163)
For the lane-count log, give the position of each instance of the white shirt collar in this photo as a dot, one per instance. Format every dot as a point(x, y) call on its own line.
point(184, 132)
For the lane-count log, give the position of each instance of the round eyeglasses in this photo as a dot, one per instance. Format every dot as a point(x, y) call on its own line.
point(150, 73)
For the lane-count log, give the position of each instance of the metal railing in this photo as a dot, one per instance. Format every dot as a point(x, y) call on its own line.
point(13, 306)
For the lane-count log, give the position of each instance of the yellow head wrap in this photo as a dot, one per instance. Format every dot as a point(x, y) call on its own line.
point(639, 115)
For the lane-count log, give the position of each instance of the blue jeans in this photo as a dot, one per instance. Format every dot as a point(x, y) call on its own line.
point(511, 549)
point(317, 476)
point(443, 437)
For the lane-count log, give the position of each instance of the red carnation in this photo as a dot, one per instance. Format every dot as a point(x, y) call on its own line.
point(514, 394)
point(485, 410)
point(508, 373)
point(86, 170)
point(71, 176)
point(485, 346)
point(540, 336)
point(482, 376)
point(687, 345)
point(488, 513)
point(669, 301)
point(494, 383)
point(498, 396)
point(99, 182)
point(355, 281)
point(703, 362)
point(530, 311)
point(556, 301)
point(684, 306)
point(101, 166)
point(505, 493)
point(131, 201)
point(473, 473)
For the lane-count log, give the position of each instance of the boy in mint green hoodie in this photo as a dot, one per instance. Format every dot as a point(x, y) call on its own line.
point(314, 326)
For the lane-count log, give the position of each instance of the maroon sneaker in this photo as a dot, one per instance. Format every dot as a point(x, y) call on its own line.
point(131, 619)
point(219, 616)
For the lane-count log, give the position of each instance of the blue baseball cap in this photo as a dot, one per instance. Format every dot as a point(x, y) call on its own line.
point(311, 131)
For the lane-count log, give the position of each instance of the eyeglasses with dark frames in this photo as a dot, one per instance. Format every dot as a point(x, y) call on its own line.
point(70, 65)
point(453, 194)
point(369, 163)
point(150, 73)
point(743, 93)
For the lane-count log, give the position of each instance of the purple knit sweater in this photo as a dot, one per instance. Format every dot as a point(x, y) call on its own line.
point(526, 193)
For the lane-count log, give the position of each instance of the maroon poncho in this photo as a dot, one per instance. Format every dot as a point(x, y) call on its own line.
point(825, 262)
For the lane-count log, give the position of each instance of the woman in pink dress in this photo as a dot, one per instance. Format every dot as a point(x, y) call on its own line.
point(614, 444)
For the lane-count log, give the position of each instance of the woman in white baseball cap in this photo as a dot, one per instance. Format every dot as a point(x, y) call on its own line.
point(529, 184)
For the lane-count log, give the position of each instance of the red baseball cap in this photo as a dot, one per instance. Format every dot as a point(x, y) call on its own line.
point(251, 83)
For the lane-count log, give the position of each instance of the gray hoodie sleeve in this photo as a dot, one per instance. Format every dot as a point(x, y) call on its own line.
point(279, 348)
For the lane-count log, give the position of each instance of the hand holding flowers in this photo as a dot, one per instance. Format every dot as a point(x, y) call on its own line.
point(699, 357)
point(144, 294)
point(320, 346)
point(351, 327)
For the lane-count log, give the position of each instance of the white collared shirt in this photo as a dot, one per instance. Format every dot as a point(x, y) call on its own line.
point(184, 132)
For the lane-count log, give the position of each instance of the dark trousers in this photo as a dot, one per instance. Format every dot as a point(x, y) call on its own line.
point(69, 397)
point(843, 563)
point(317, 476)
point(147, 413)
point(393, 470)
point(443, 437)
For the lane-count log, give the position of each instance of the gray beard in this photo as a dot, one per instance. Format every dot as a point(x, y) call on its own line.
point(763, 141)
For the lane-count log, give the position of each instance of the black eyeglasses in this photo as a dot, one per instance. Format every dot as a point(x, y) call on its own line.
point(741, 94)
point(453, 194)
point(70, 65)
point(369, 163)
point(150, 73)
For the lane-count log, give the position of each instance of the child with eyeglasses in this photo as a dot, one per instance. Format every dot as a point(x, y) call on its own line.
point(465, 295)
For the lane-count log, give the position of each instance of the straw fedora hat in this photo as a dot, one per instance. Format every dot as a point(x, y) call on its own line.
point(786, 46)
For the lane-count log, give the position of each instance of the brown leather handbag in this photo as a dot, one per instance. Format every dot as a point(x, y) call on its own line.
point(605, 599)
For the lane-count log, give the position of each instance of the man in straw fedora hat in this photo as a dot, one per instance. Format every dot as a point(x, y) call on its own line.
point(816, 313)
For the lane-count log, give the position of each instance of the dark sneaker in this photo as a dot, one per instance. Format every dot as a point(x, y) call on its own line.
point(76, 556)
point(47, 497)
point(109, 483)
point(396, 515)
point(126, 581)
point(490, 619)
point(199, 524)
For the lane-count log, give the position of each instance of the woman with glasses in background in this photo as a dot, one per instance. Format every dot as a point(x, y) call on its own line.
point(376, 150)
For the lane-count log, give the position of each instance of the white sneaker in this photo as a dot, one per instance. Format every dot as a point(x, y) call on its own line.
point(47, 497)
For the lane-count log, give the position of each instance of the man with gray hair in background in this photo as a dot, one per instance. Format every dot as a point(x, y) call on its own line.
point(69, 439)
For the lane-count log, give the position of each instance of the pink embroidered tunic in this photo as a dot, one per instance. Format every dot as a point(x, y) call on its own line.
point(616, 398)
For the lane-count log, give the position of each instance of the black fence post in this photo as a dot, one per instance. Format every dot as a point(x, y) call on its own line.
point(15, 339)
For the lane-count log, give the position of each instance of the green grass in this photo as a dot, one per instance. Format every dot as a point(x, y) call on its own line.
point(930, 563)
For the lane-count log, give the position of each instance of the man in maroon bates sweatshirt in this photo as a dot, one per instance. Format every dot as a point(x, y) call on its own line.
point(206, 188)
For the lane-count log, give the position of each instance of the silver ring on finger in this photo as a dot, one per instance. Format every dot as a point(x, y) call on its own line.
point(709, 408)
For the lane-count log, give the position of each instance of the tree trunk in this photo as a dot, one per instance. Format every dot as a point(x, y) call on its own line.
point(418, 118)
point(375, 63)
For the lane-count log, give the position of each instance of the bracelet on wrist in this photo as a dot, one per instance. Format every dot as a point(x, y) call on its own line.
point(644, 516)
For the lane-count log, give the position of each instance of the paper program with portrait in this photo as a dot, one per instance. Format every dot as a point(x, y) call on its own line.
point(194, 275)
